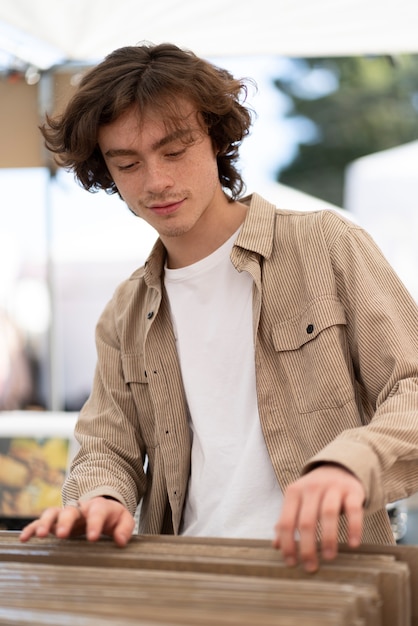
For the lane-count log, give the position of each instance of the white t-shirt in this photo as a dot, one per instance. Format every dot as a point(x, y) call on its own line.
point(233, 491)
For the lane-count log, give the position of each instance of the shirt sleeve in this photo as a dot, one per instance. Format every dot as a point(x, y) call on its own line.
point(111, 456)
point(382, 329)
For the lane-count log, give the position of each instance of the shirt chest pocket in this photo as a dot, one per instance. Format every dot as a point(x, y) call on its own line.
point(313, 352)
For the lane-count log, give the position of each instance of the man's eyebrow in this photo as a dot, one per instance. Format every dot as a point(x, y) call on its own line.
point(160, 143)
point(176, 134)
point(115, 152)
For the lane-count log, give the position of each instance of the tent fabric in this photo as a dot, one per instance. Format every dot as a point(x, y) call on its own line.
point(86, 30)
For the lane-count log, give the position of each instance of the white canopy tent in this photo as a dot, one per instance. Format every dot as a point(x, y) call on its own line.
point(381, 191)
point(86, 30)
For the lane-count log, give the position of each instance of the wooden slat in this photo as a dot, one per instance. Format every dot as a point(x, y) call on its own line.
point(229, 581)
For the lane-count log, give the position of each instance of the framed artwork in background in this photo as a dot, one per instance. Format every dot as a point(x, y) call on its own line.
point(36, 449)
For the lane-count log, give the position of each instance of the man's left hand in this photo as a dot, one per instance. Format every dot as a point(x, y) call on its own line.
point(319, 497)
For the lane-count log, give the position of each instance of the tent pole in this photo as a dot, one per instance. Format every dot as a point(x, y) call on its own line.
point(54, 401)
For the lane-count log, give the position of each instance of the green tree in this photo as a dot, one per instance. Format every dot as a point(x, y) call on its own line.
point(356, 106)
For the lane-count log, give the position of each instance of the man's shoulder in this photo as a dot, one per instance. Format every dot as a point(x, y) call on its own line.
point(137, 275)
point(329, 221)
point(148, 273)
point(129, 293)
point(258, 203)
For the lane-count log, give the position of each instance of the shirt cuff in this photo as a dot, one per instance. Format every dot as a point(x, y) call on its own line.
point(359, 460)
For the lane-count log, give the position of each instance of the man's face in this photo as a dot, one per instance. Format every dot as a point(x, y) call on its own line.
point(168, 177)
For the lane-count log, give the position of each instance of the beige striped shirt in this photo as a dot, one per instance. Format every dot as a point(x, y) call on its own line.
point(336, 351)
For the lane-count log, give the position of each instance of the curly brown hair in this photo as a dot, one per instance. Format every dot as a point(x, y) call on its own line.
point(153, 77)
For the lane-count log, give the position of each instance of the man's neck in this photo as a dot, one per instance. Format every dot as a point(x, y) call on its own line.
point(205, 237)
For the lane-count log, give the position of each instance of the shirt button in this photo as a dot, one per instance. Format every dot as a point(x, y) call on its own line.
point(310, 329)
point(150, 315)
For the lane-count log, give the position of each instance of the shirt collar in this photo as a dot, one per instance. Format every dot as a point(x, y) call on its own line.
point(256, 235)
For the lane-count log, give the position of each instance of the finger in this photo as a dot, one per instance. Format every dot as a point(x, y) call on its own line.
point(286, 526)
point(69, 519)
point(354, 511)
point(44, 525)
point(124, 529)
point(331, 507)
point(96, 517)
point(308, 525)
point(30, 530)
point(27, 532)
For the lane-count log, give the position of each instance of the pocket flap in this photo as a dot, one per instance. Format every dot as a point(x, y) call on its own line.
point(320, 314)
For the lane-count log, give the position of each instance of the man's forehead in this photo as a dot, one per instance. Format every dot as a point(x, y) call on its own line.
point(170, 112)
point(153, 127)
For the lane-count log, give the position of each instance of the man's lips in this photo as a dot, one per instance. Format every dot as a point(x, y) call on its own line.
point(165, 208)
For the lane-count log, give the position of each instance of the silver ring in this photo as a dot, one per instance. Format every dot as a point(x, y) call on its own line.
point(75, 504)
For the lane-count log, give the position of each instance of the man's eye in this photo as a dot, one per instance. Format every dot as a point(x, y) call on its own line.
point(129, 166)
point(176, 153)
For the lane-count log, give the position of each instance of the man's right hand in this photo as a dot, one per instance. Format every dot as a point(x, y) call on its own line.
point(96, 517)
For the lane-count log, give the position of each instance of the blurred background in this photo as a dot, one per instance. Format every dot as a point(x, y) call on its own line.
point(336, 127)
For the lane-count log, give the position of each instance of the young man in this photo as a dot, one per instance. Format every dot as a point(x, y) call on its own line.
point(260, 371)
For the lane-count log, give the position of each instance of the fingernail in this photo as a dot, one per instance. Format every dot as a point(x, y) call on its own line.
point(310, 566)
point(328, 554)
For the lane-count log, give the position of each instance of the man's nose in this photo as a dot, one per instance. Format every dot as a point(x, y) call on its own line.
point(158, 178)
